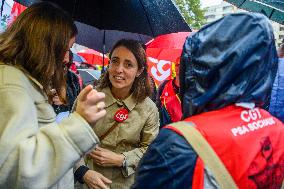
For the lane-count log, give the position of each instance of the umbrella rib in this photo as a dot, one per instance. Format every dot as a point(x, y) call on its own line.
point(268, 5)
point(242, 3)
point(74, 6)
point(271, 13)
point(147, 17)
point(2, 7)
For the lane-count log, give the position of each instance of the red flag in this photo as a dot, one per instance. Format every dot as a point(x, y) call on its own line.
point(162, 53)
point(17, 9)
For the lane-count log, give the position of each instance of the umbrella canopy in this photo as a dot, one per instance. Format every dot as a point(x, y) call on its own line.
point(103, 40)
point(89, 76)
point(152, 18)
point(273, 9)
point(94, 57)
point(78, 58)
point(162, 52)
point(89, 36)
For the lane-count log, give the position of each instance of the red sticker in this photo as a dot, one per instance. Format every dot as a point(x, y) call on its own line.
point(121, 115)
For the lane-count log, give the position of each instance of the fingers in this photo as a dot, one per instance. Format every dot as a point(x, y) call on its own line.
point(95, 97)
point(100, 105)
point(101, 184)
point(106, 180)
point(84, 93)
point(90, 105)
point(100, 114)
point(99, 148)
point(102, 181)
point(96, 180)
point(96, 157)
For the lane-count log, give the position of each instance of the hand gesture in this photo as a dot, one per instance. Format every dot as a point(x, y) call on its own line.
point(56, 100)
point(106, 158)
point(90, 105)
point(96, 180)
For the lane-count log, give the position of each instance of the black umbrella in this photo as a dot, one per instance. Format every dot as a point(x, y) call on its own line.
point(103, 40)
point(148, 17)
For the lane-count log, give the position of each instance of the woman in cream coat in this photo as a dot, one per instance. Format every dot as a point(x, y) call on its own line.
point(35, 152)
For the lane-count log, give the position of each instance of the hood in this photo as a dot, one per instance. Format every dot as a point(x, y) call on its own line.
point(231, 60)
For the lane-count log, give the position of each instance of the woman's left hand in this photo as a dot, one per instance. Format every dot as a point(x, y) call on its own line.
point(106, 158)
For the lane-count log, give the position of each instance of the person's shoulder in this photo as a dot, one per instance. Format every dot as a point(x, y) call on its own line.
point(148, 102)
point(12, 76)
point(11, 70)
point(168, 138)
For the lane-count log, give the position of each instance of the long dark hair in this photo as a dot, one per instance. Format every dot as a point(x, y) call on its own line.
point(37, 42)
point(141, 87)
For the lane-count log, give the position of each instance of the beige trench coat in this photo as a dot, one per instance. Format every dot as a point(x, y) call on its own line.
point(131, 138)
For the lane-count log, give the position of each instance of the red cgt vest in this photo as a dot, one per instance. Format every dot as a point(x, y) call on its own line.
point(249, 142)
point(171, 102)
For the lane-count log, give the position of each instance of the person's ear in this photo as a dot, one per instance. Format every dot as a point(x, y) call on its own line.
point(139, 72)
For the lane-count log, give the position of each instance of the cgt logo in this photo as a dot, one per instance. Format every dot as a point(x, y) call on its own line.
point(158, 70)
point(121, 115)
point(253, 121)
point(250, 115)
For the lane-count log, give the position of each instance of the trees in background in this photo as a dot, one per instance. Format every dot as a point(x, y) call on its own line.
point(192, 12)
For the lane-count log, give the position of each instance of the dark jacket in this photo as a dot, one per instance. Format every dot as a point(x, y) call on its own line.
point(73, 90)
point(231, 60)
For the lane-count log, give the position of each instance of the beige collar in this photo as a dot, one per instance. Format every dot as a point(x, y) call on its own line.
point(129, 102)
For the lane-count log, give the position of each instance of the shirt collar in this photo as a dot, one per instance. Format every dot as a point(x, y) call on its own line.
point(129, 102)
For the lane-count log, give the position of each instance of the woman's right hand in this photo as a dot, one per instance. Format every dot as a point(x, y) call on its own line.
point(96, 180)
point(90, 105)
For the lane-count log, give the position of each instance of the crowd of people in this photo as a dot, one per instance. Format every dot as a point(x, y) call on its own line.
point(217, 124)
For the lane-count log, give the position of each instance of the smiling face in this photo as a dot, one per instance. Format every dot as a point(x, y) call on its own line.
point(123, 70)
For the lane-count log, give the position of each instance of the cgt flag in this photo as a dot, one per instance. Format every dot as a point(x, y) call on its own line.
point(162, 54)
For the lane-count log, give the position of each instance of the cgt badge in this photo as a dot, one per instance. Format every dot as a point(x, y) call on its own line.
point(121, 115)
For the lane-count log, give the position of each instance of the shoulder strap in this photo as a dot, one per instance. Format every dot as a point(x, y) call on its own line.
point(206, 153)
point(109, 131)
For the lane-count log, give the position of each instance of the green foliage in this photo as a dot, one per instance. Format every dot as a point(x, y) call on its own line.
point(192, 12)
point(3, 22)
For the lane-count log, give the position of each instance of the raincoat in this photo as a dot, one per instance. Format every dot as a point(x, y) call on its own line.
point(222, 65)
